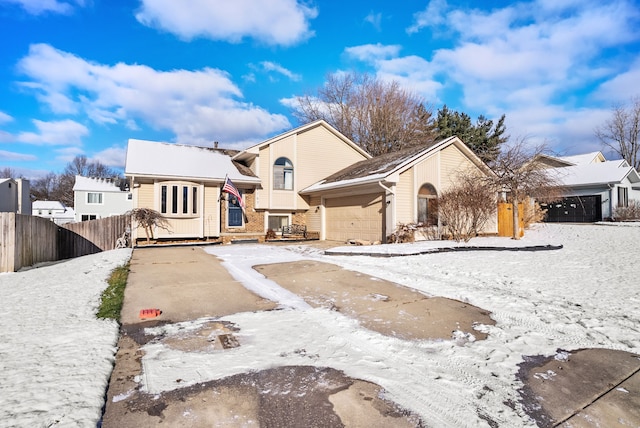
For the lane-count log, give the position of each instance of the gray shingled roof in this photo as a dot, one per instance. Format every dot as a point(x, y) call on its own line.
point(378, 165)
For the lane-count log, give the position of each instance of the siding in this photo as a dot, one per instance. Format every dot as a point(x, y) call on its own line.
point(211, 211)
point(319, 143)
point(314, 218)
point(262, 195)
point(405, 196)
point(452, 163)
point(146, 196)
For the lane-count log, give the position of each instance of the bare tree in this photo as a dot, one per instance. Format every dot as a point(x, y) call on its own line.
point(8, 173)
point(379, 116)
point(44, 188)
point(467, 206)
point(519, 176)
point(148, 219)
point(622, 131)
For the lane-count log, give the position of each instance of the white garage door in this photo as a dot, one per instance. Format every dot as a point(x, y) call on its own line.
point(355, 217)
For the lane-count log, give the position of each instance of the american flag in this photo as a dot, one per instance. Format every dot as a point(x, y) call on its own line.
point(229, 187)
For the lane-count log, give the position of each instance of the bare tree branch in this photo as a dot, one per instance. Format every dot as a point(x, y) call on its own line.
point(379, 116)
point(621, 132)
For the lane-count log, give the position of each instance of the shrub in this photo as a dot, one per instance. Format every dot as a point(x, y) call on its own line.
point(466, 207)
point(631, 212)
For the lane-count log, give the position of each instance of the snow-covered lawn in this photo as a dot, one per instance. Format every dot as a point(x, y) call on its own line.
point(55, 357)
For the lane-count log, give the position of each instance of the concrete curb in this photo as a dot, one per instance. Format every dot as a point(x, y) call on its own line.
point(443, 250)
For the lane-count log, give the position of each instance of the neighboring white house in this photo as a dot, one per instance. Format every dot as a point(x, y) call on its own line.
point(96, 198)
point(55, 211)
point(14, 196)
point(593, 187)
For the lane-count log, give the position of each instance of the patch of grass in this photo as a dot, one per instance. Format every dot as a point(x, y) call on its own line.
point(113, 295)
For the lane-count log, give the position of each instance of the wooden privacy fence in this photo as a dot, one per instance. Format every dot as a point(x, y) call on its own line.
point(26, 240)
point(505, 219)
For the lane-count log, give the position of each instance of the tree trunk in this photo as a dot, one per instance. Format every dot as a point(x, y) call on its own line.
point(516, 222)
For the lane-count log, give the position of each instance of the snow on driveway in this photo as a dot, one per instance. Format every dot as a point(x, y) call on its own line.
point(56, 357)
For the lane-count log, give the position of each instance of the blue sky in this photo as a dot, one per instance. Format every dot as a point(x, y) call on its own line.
point(81, 77)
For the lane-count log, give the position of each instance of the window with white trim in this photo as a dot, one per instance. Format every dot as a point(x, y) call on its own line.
point(277, 222)
point(94, 198)
point(623, 197)
point(86, 217)
point(428, 205)
point(283, 174)
point(179, 199)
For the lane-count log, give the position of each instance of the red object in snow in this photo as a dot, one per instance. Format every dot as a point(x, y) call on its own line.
point(149, 313)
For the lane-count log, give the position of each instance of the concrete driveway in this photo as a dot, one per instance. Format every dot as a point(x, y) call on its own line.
point(589, 388)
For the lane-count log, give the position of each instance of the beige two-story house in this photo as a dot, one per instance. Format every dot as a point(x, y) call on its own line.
point(312, 176)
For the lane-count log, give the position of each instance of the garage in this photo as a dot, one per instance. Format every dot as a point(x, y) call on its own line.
point(355, 217)
point(575, 209)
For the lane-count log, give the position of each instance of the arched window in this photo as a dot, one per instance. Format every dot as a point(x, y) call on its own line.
point(283, 174)
point(428, 205)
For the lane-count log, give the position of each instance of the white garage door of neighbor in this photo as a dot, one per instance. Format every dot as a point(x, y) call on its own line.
point(355, 217)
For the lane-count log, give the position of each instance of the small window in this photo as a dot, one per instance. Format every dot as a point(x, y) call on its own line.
point(277, 222)
point(428, 205)
point(163, 200)
point(174, 199)
point(86, 217)
point(130, 196)
point(283, 174)
point(94, 198)
point(194, 202)
point(185, 200)
point(623, 197)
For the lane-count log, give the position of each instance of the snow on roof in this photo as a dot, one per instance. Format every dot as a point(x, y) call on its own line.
point(595, 173)
point(48, 205)
point(95, 184)
point(2, 180)
point(152, 158)
point(583, 159)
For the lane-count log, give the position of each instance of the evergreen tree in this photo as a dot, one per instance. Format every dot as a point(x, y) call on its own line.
point(483, 137)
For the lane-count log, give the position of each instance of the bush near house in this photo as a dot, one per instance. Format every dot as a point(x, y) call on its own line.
point(631, 212)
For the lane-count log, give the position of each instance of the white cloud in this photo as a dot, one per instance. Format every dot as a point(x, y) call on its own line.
point(538, 62)
point(63, 132)
point(373, 53)
point(622, 86)
point(5, 118)
point(273, 22)
point(272, 66)
point(374, 19)
point(197, 106)
point(12, 156)
point(112, 157)
point(433, 15)
point(37, 7)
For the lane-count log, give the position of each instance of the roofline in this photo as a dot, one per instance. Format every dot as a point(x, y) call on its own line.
point(370, 179)
point(249, 180)
point(321, 122)
point(408, 163)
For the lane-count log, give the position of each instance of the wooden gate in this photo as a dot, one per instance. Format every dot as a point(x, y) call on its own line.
point(505, 219)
